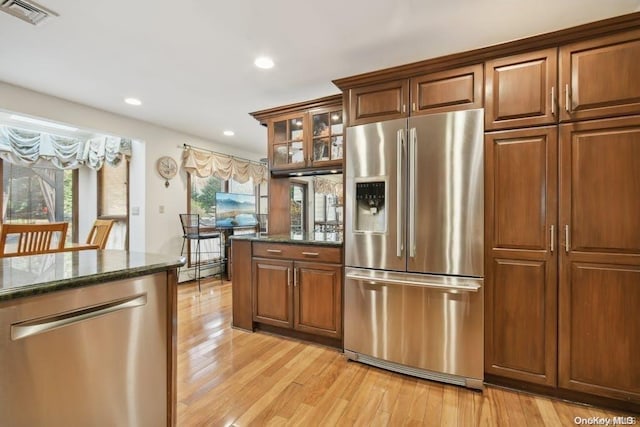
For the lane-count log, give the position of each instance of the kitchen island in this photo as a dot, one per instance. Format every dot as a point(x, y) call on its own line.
point(289, 284)
point(88, 338)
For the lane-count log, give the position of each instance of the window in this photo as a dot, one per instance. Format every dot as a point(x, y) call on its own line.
point(202, 196)
point(245, 188)
point(113, 202)
point(38, 195)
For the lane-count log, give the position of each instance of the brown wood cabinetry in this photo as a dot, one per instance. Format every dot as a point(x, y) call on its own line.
point(383, 101)
point(451, 90)
point(307, 135)
point(521, 275)
point(298, 287)
point(599, 331)
point(521, 90)
point(599, 77)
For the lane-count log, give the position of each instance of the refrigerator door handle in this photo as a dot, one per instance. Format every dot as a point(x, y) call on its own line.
point(423, 284)
point(413, 152)
point(399, 193)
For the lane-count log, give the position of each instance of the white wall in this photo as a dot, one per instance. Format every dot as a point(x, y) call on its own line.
point(150, 231)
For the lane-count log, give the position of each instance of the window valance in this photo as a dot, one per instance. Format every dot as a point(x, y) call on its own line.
point(31, 148)
point(205, 163)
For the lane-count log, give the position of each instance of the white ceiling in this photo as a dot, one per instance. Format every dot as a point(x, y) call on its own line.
point(191, 61)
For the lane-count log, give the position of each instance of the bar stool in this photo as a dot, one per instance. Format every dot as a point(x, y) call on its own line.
point(192, 231)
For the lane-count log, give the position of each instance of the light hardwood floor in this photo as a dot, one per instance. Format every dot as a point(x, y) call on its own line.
point(231, 377)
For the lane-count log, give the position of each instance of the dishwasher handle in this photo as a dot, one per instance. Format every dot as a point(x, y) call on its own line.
point(33, 327)
point(425, 284)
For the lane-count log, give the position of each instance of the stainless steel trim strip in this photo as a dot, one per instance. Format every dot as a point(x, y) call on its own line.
point(413, 150)
point(33, 327)
point(399, 195)
point(425, 284)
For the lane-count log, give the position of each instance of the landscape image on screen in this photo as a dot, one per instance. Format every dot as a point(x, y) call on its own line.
point(235, 210)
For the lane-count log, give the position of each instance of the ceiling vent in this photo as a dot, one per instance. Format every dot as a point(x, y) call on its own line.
point(26, 10)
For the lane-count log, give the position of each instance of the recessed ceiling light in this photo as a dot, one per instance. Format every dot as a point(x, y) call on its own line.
point(133, 101)
point(263, 62)
point(42, 123)
point(229, 132)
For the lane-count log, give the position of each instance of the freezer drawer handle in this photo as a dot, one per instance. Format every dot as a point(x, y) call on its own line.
point(374, 280)
point(33, 327)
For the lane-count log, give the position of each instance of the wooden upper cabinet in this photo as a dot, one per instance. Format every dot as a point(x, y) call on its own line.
point(599, 77)
point(378, 102)
point(521, 90)
point(306, 135)
point(451, 90)
point(287, 148)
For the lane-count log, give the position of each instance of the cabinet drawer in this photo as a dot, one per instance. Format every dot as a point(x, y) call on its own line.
point(297, 252)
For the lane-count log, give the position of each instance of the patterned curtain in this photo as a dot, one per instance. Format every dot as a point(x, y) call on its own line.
point(30, 148)
point(205, 163)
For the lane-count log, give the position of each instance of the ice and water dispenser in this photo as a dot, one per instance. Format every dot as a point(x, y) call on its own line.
point(370, 212)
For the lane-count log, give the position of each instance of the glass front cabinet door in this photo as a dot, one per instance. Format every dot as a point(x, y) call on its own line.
point(327, 139)
point(288, 142)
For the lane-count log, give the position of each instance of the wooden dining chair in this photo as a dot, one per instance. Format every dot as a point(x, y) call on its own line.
point(32, 238)
point(100, 232)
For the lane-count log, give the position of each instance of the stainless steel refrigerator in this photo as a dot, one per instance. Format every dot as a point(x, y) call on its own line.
point(414, 246)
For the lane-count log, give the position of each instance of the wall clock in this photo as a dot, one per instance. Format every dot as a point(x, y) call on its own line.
point(167, 168)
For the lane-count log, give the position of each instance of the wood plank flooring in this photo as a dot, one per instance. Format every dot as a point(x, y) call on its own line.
point(230, 377)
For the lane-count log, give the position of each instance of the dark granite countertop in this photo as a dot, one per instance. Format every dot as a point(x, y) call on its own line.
point(319, 238)
point(23, 276)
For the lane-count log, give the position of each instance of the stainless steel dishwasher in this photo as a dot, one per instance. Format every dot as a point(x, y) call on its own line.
point(90, 356)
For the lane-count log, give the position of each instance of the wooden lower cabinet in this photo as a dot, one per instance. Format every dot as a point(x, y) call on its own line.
point(318, 298)
point(521, 279)
point(272, 302)
point(305, 296)
point(563, 254)
point(599, 327)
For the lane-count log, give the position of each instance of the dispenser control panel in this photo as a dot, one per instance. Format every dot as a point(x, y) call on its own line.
point(370, 206)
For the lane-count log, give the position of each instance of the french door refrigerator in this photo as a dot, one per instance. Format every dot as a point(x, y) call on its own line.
point(414, 243)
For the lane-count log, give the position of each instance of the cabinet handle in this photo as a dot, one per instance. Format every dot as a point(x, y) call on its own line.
point(413, 107)
point(567, 98)
point(567, 243)
point(288, 277)
point(310, 253)
point(274, 251)
point(404, 108)
point(553, 102)
point(295, 277)
point(553, 237)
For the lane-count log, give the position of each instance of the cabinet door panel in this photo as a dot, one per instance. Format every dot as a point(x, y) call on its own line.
point(521, 90)
point(272, 296)
point(519, 335)
point(600, 331)
point(385, 101)
point(318, 299)
point(601, 76)
point(521, 176)
point(521, 268)
point(451, 90)
point(599, 335)
point(602, 179)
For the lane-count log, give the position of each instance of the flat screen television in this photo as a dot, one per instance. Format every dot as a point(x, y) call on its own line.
point(235, 210)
